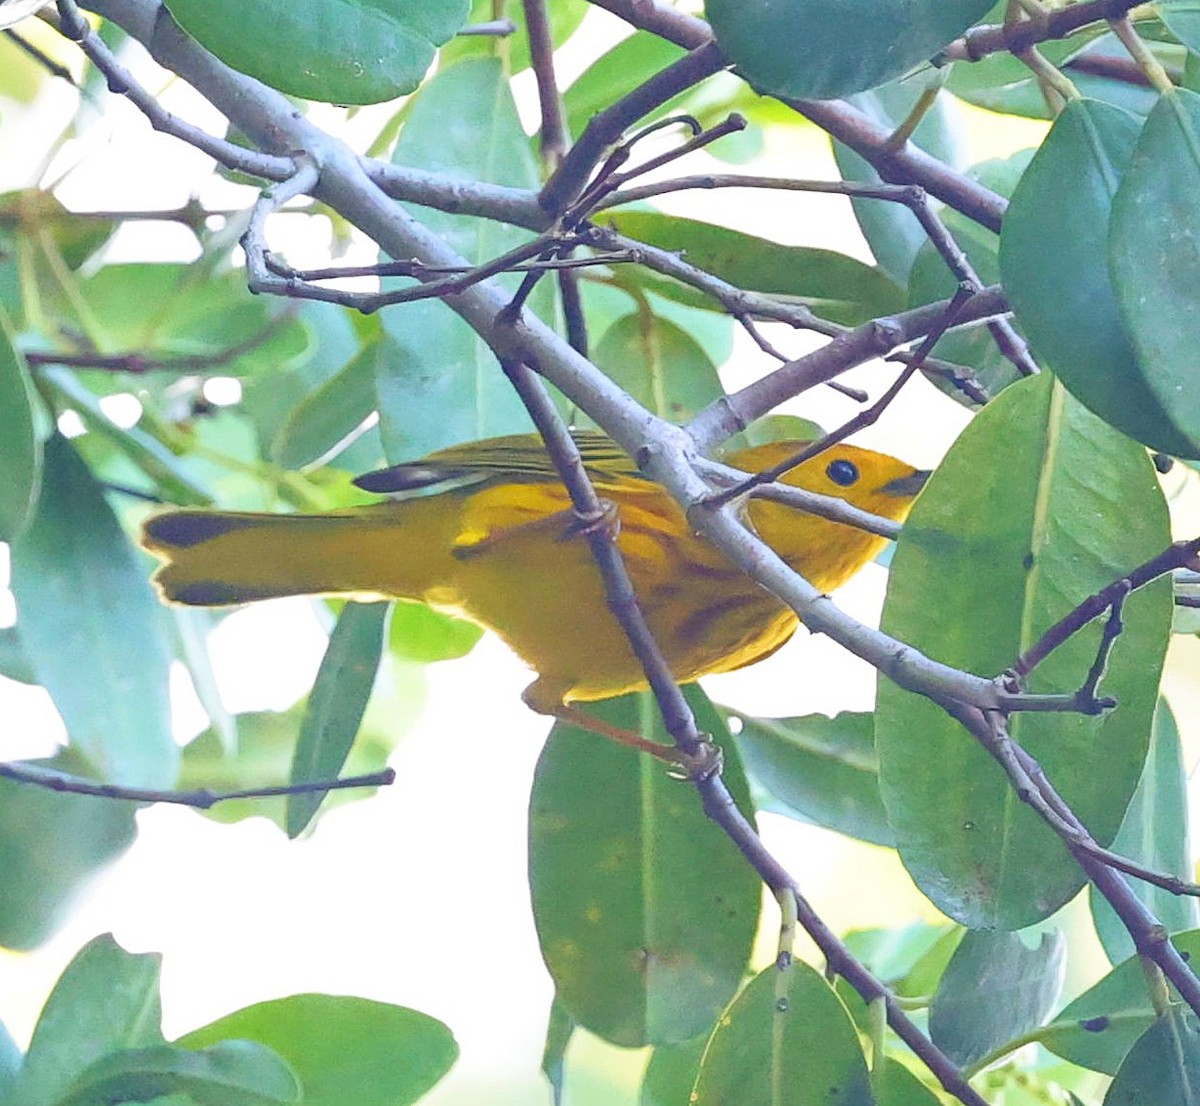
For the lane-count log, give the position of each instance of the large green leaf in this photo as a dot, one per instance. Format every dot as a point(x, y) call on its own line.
point(836, 286)
point(645, 910)
point(336, 705)
point(1154, 254)
point(338, 51)
point(1054, 263)
point(229, 1073)
point(91, 627)
point(1163, 1065)
point(1153, 833)
point(891, 229)
point(345, 1049)
point(795, 1045)
point(178, 310)
point(1037, 506)
point(105, 1001)
point(20, 446)
point(1098, 1028)
point(821, 769)
point(50, 843)
point(1022, 985)
point(437, 383)
point(661, 365)
point(818, 50)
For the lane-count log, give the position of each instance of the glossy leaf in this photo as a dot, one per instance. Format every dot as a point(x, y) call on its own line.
point(105, 1001)
point(439, 385)
point(1009, 547)
point(1053, 260)
point(336, 705)
point(1154, 254)
point(1099, 1027)
point(835, 286)
point(814, 50)
point(899, 1087)
point(91, 627)
point(1153, 833)
point(801, 1040)
point(1163, 1065)
point(645, 910)
point(1021, 984)
point(13, 662)
point(50, 844)
point(341, 52)
point(344, 1049)
point(20, 446)
point(1182, 18)
point(823, 770)
point(660, 365)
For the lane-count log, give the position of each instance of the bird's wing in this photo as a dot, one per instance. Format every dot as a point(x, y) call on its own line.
point(518, 458)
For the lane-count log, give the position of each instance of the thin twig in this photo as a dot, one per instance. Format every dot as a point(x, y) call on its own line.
point(200, 799)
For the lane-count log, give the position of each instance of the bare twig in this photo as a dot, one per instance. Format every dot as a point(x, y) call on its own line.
point(200, 799)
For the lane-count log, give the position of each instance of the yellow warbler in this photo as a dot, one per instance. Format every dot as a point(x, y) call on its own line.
point(485, 531)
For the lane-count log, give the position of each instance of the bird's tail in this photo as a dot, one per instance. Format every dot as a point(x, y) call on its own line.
point(218, 558)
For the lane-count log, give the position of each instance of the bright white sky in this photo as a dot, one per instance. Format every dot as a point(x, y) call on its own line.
point(418, 896)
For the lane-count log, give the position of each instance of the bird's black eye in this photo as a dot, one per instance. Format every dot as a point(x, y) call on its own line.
point(842, 472)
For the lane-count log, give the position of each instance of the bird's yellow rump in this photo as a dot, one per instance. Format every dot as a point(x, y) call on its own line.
point(485, 531)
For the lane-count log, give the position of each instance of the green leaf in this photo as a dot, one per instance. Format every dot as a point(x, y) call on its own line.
point(330, 417)
point(931, 279)
point(344, 1049)
point(438, 384)
point(671, 1073)
point(899, 1087)
point(51, 843)
point(105, 1001)
point(178, 310)
point(891, 229)
point(801, 1040)
point(835, 286)
point(13, 662)
point(169, 474)
point(909, 960)
point(10, 1064)
point(1163, 1065)
point(1037, 506)
point(1182, 18)
point(564, 17)
point(1154, 255)
point(336, 51)
point(1153, 833)
point(230, 1073)
point(20, 446)
point(92, 629)
point(616, 73)
point(265, 748)
point(806, 48)
point(560, 1028)
point(1021, 984)
point(660, 365)
point(1054, 264)
point(419, 633)
point(823, 770)
point(336, 705)
point(645, 910)
point(1098, 1028)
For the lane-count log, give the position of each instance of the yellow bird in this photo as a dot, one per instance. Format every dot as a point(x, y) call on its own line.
point(485, 531)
